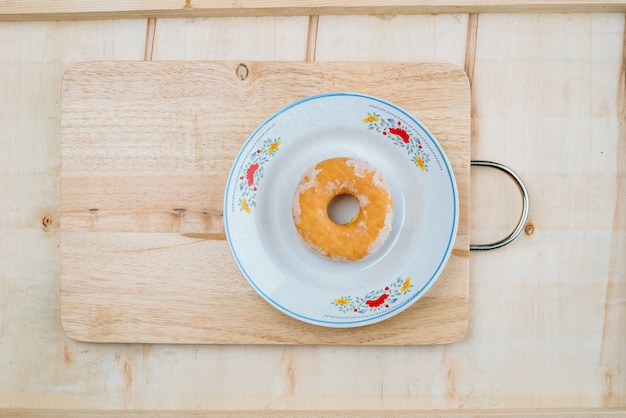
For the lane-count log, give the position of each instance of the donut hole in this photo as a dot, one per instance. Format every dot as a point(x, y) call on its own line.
point(343, 209)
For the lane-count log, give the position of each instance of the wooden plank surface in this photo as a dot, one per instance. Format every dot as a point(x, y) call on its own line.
point(65, 413)
point(92, 9)
point(145, 153)
point(546, 331)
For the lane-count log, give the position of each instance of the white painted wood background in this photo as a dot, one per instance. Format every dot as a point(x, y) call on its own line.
point(547, 313)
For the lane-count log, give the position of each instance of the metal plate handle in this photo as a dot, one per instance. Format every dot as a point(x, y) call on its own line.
point(523, 217)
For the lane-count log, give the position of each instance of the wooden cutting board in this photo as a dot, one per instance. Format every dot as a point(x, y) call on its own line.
point(146, 148)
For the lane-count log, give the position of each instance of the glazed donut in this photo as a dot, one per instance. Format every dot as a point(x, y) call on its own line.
point(366, 232)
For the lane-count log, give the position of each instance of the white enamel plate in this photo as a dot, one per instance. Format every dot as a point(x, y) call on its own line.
point(260, 228)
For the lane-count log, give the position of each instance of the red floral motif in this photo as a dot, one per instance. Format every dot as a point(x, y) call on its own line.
point(375, 303)
point(380, 299)
point(407, 138)
point(401, 133)
point(250, 173)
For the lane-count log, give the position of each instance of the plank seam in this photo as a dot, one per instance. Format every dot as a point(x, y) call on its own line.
point(311, 41)
point(70, 10)
point(150, 32)
point(470, 45)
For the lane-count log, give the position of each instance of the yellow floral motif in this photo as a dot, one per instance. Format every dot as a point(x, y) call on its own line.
point(420, 162)
point(342, 301)
point(371, 118)
point(244, 205)
point(406, 285)
point(273, 147)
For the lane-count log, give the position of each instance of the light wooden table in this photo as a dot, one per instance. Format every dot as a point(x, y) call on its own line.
point(547, 332)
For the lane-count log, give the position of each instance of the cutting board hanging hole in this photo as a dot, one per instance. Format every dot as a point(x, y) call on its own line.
point(46, 223)
point(242, 71)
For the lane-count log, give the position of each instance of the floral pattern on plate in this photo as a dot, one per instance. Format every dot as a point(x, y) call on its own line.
point(401, 135)
point(257, 210)
point(253, 173)
point(375, 300)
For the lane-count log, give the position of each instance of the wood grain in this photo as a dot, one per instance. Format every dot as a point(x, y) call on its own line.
point(92, 9)
point(546, 333)
point(145, 153)
point(557, 413)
